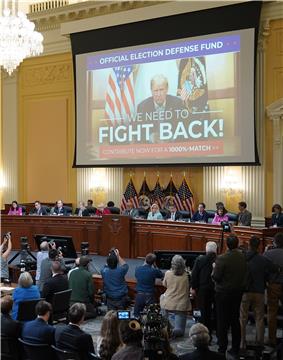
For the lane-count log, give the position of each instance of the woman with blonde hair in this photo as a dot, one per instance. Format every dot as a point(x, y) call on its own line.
point(25, 291)
point(176, 301)
point(109, 340)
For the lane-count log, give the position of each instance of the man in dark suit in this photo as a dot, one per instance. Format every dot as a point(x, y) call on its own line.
point(38, 331)
point(82, 210)
point(130, 210)
point(58, 282)
point(201, 215)
point(60, 209)
point(38, 209)
point(173, 214)
point(71, 337)
point(160, 101)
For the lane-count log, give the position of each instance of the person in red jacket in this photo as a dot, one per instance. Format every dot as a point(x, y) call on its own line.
point(102, 210)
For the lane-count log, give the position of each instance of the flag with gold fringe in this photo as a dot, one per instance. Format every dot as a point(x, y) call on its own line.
point(184, 199)
point(130, 194)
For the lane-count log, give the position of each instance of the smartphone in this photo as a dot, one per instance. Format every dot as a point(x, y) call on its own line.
point(123, 315)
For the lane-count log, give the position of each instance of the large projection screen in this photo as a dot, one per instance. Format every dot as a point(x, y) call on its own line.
point(187, 100)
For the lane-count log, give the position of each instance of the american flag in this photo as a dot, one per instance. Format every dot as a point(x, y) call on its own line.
point(120, 98)
point(158, 194)
point(184, 198)
point(130, 194)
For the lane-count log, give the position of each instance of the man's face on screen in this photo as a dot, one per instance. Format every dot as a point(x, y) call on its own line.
point(159, 92)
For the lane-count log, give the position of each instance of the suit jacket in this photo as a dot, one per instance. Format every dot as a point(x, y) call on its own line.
point(277, 220)
point(84, 213)
point(244, 218)
point(202, 354)
point(176, 217)
point(172, 103)
point(54, 284)
point(10, 327)
point(38, 332)
point(72, 338)
point(62, 211)
point(40, 211)
point(132, 213)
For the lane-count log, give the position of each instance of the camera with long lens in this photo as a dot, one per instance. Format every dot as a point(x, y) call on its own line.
point(153, 330)
point(26, 262)
point(84, 248)
point(226, 227)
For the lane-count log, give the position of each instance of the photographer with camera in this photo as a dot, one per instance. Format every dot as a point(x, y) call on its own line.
point(146, 275)
point(41, 255)
point(115, 286)
point(5, 249)
point(275, 286)
point(203, 285)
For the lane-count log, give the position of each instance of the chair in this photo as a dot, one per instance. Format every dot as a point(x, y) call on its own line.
point(211, 214)
point(232, 217)
point(185, 215)
point(64, 354)
point(26, 310)
point(114, 210)
point(61, 304)
point(10, 349)
point(37, 351)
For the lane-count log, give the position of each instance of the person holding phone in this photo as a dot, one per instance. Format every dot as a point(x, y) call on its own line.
point(5, 249)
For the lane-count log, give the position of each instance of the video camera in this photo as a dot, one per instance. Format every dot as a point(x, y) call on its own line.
point(226, 227)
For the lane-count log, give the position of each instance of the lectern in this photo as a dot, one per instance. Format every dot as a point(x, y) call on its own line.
point(115, 232)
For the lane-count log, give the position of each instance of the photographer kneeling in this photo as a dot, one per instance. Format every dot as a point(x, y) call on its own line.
point(114, 283)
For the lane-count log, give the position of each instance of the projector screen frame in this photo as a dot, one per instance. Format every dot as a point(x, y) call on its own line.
point(250, 13)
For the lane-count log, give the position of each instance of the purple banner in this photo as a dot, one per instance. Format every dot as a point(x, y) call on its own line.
point(180, 50)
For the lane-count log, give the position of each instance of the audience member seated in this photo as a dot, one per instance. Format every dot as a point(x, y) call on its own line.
point(275, 286)
point(244, 216)
point(176, 299)
point(259, 268)
point(80, 281)
point(173, 213)
point(201, 215)
point(41, 255)
point(9, 327)
point(5, 250)
point(39, 331)
point(113, 209)
point(91, 208)
point(229, 274)
point(146, 276)
point(130, 210)
point(277, 216)
point(38, 209)
point(114, 283)
point(102, 210)
point(71, 337)
point(45, 267)
point(203, 285)
point(25, 291)
point(154, 213)
point(58, 282)
point(131, 336)
point(15, 209)
point(199, 335)
point(220, 216)
point(60, 209)
point(81, 210)
point(109, 341)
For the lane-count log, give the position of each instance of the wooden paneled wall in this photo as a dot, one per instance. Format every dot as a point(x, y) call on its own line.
point(46, 129)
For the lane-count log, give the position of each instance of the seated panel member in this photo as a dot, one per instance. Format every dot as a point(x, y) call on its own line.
point(277, 216)
point(220, 216)
point(15, 209)
point(244, 216)
point(81, 210)
point(173, 214)
point(38, 209)
point(60, 209)
point(154, 213)
point(102, 210)
point(90, 207)
point(130, 210)
point(39, 331)
point(201, 215)
point(160, 101)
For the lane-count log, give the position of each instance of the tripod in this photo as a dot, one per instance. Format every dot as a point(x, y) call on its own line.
point(23, 253)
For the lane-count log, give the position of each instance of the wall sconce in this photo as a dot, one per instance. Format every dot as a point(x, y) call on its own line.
point(98, 186)
point(232, 187)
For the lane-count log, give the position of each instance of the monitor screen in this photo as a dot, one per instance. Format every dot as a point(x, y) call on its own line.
point(63, 243)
